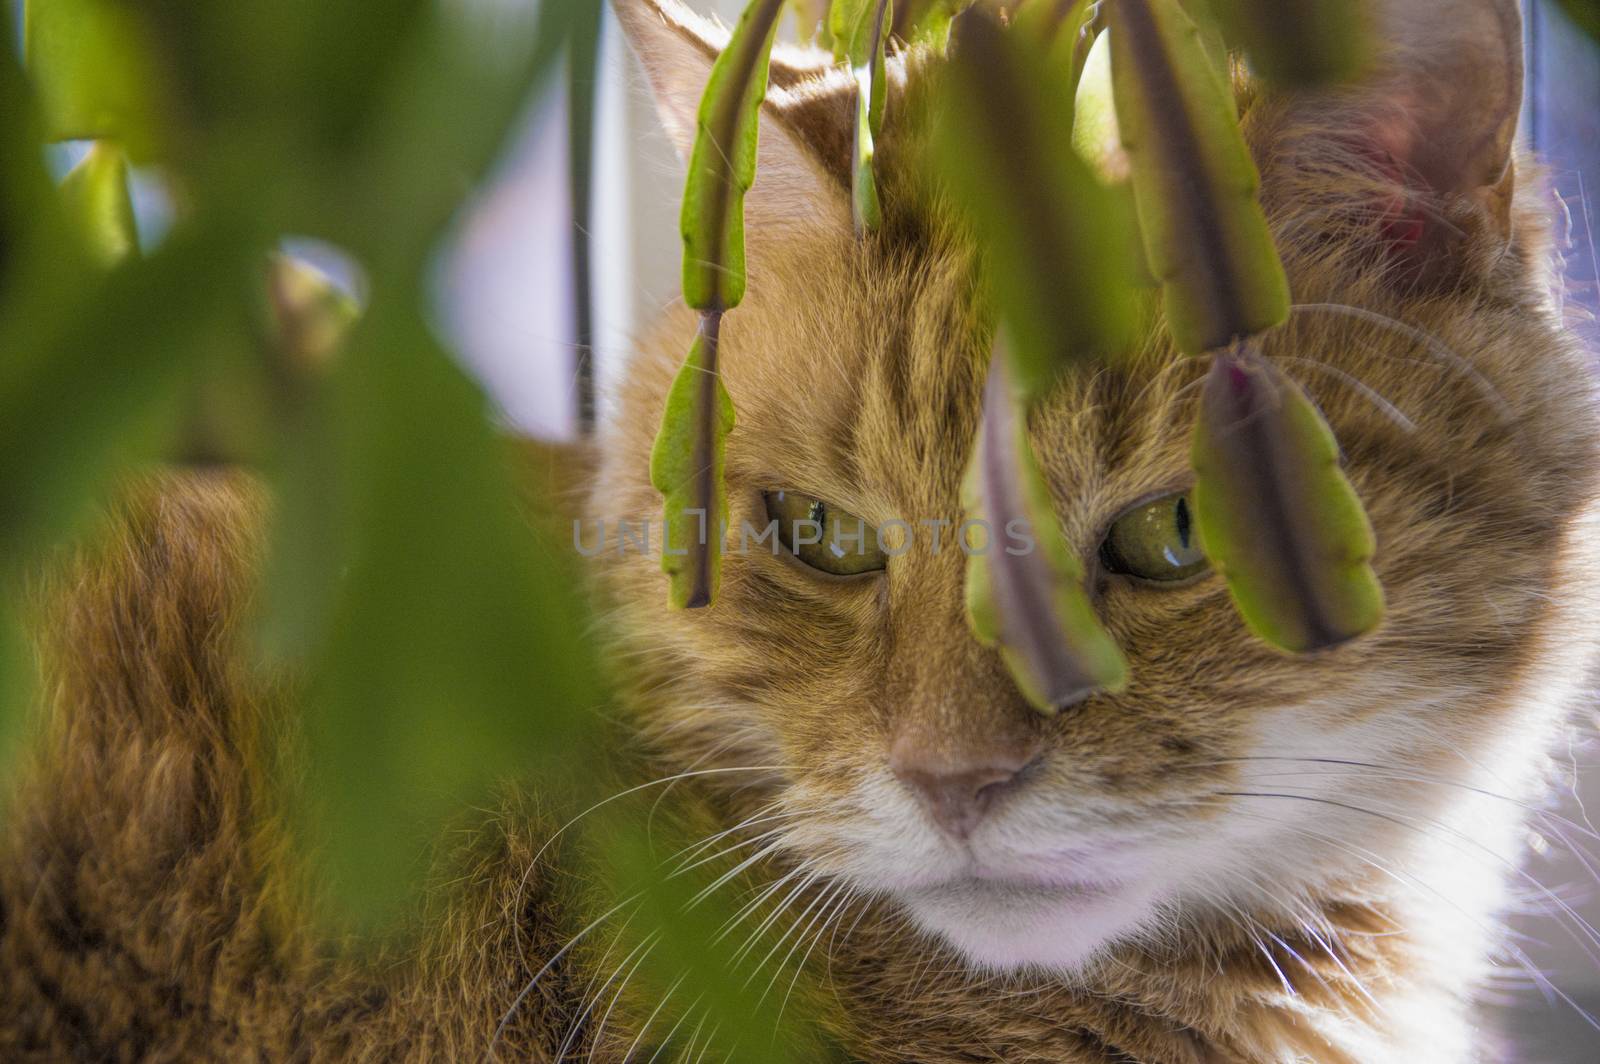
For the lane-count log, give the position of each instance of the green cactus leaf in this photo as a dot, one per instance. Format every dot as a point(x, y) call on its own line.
point(1067, 28)
point(1029, 598)
point(1194, 183)
point(1055, 239)
point(1276, 514)
point(869, 37)
point(686, 466)
point(1300, 43)
point(92, 62)
point(722, 166)
point(96, 196)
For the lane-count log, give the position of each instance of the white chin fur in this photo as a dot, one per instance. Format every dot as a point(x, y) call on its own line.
point(1006, 928)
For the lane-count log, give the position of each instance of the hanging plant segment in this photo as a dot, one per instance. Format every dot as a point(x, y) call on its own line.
point(868, 23)
point(687, 462)
point(1274, 510)
point(1051, 245)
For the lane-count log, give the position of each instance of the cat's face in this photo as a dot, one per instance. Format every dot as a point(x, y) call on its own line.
point(896, 748)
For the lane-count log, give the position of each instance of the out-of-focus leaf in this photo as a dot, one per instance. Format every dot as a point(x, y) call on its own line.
point(811, 22)
point(843, 17)
point(443, 637)
point(29, 210)
point(96, 74)
point(1055, 242)
point(437, 127)
point(868, 40)
point(1275, 513)
point(96, 194)
point(1300, 43)
point(1193, 179)
point(1067, 28)
point(1586, 13)
point(297, 78)
point(310, 313)
point(686, 466)
point(1033, 604)
point(89, 394)
point(926, 21)
point(723, 163)
point(89, 391)
point(690, 965)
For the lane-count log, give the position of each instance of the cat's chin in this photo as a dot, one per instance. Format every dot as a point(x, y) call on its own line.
point(1007, 927)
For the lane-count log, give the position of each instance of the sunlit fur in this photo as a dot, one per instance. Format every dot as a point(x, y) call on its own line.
point(1343, 911)
point(1234, 812)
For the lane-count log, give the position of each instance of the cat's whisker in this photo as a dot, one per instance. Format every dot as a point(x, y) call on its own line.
point(1384, 406)
point(534, 862)
point(596, 1039)
point(830, 928)
point(644, 1028)
point(755, 903)
point(830, 914)
point(805, 884)
point(1436, 347)
point(1548, 822)
point(762, 815)
point(1382, 771)
point(644, 948)
point(732, 873)
point(555, 958)
point(592, 988)
point(1587, 936)
point(1288, 987)
point(816, 909)
point(765, 836)
point(1411, 883)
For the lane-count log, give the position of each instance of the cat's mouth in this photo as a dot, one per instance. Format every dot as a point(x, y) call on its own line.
point(1002, 888)
point(1004, 921)
point(999, 880)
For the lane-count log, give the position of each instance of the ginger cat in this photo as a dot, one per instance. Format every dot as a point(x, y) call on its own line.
point(1241, 857)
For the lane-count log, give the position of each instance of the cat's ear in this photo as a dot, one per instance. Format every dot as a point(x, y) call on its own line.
point(1435, 117)
point(802, 163)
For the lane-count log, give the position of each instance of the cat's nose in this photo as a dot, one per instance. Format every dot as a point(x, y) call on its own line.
point(957, 788)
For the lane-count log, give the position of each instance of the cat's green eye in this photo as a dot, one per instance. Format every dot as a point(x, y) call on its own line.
point(1155, 541)
point(824, 537)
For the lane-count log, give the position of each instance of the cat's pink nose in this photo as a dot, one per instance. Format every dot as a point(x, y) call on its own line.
point(957, 789)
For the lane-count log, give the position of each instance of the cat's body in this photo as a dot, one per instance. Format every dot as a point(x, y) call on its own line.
point(1243, 857)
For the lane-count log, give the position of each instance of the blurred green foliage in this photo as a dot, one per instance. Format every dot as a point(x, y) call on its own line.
point(431, 626)
point(440, 641)
point(441, 645)
point(1586, 13)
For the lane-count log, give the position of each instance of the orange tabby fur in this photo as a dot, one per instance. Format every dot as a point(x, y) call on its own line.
point(145, 906)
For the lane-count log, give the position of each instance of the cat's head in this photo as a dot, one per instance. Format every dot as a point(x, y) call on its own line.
point(897, 749)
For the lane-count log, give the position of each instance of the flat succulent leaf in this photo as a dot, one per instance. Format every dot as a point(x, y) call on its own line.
point(1032, 604)
point(843, 18)
point(91, 60)
point(32, 219)
point(1194, 182)
point(97, 199)
point(926, 21)
point(1067, 28)
point(686, 466)
point(440, 635)
point(310, 314)
point(703, 978)
point(867, 46)
point(1300, 43)
point(722, 165)
point(1056, 245)
point(1276, 514)
point(1586, 13)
